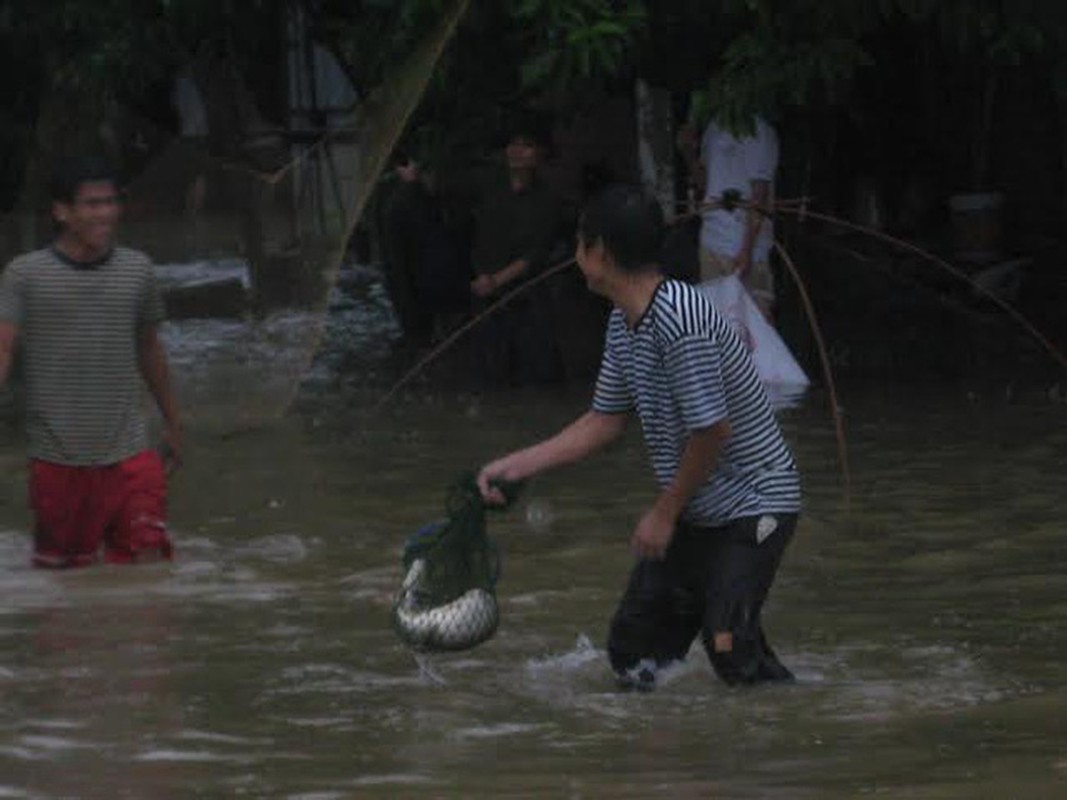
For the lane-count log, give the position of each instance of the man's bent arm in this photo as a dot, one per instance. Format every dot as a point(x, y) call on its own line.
point(699, 460)
point(654, 532)
point(153, 365)
point(513, 271)
point(587, 434)
point(759, 200)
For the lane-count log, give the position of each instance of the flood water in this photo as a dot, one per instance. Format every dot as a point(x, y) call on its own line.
point(924, 617)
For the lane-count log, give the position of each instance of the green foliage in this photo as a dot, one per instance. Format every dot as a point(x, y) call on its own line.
point(112, 46)
point(748, 57)
point(981, 40)
point(1001, 32)
point(788, 53)
point(576, 41)
point(805, 52)
point(78, 45)
point(506, 53)
point(761, 73)
point(372, 36)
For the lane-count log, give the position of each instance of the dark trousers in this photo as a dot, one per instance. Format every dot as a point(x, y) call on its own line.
point(517, 344)
point(712, 581)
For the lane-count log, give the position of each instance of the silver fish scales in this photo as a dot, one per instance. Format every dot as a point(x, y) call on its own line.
point(463, 623)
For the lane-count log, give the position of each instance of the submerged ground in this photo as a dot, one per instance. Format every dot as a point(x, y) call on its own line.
point(923, 612)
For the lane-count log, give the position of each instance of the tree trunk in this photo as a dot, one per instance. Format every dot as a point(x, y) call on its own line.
point(655, 144)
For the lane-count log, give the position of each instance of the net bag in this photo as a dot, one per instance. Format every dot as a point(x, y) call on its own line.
point(447, 600)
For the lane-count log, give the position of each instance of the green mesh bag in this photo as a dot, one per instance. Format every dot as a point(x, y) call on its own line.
point(447, 600)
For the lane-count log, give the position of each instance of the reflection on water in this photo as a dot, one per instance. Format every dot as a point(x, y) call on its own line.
point(87, 684)
point(924, 620)
point(247, 372)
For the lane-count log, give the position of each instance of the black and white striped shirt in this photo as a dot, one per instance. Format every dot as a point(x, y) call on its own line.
point(78, 328)
point(683, 368)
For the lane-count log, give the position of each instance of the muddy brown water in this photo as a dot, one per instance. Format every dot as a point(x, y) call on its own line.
point(925, 619)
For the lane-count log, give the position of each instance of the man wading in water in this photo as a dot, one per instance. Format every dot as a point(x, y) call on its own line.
point(85, 313)
point(710, 545)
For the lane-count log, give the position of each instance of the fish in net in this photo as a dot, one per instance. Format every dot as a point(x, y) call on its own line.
point(447, 600)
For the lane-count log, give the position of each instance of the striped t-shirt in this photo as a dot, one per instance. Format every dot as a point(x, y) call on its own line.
point(683, 368)
point(78, 329)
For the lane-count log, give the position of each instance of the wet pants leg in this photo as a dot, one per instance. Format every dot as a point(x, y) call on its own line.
point(741, 571)
point(120, 507)
point(659, 614)
point(712, 581)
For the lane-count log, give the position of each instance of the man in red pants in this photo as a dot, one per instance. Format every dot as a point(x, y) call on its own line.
point(84, 314)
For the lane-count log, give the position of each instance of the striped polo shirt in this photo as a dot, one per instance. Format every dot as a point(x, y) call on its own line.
point(683, 368)
point(78, 327)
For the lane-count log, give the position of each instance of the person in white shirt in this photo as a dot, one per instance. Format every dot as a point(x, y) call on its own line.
point(739, 240)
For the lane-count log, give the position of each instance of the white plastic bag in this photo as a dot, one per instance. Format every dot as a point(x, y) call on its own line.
point(776, 366)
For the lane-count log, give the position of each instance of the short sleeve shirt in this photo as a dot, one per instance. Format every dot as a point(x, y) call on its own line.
point(510, 225)
point(682, 368)
point(78, 330)
point(733, 163)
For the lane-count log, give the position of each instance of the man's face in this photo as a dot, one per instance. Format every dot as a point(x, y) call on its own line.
point(591, 262)
point(522, 153)
point(91, 219)
point(409, 172)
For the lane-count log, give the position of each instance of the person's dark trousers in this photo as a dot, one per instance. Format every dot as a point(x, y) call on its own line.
point(712, 581)
point(415, 322)
point(536, 358)
point(516, 345)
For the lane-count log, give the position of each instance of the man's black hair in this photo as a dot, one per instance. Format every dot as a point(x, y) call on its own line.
point(70, 172)
point(629, 223)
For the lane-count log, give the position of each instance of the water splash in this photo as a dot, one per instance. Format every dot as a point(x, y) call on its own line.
point(584, 653)
point(540, 515)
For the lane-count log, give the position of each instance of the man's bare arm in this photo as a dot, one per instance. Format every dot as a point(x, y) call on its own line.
point(511, 272)
point(587, 434)
point(8, 338)
point(699, 459)
point(152, 361)
point(759, 197)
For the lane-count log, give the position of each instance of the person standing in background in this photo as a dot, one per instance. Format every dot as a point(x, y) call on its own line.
point(516, 225)
point(85, 313)
point(739, 240)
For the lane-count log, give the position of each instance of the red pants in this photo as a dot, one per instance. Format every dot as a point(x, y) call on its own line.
point(120, 506)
